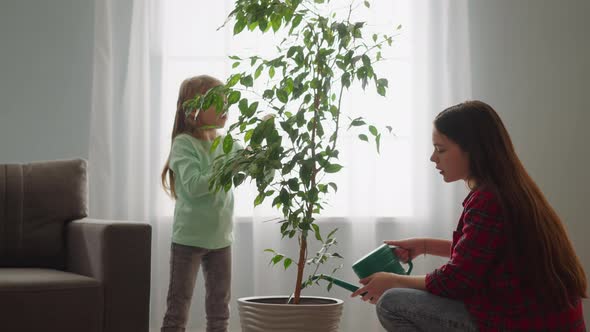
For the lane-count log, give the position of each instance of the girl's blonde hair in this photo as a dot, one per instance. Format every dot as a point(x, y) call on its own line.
point(189, 88)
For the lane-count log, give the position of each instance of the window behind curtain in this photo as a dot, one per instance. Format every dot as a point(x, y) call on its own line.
point(371, 184)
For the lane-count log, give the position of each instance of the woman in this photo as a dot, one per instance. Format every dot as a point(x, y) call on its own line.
point(511, 265)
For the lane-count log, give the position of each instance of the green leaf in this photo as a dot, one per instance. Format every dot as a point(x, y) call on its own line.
point(271, 72)
point(332, 233)
point(363, 137)
point(247, 81)
point(233, 97)
point(367, 4)
point(243, 106)
point(287, 262)
point(235, 64)
point(356, 123)
point(268, 94)
point(366, 60)
point(215, 143)
point(252, 109)
point(248, 135)
point(258, 71)
point(259, 199)
point(316, 230)
point(252, 25)
point(373, 130)
point(378, 143)
point(276, 23)
point(263, 24)
point(228, 143)
point(284, 197)
point(296, 20)
point(375, 37)
point(334, 111)
point(334, 186)
point(333, 168)
point(293, 184)
point(233, 80)
point(345, 80)
point(239, 26)
point(277, 259)
point(282, 95)
point(239, 178)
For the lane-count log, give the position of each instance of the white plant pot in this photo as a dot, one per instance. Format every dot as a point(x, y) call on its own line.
point(272, 314)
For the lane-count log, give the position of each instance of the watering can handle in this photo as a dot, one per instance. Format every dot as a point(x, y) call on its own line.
point(410, 264)
point(410, 267)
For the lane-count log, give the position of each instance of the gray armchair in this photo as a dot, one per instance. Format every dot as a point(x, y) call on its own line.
point(61, 271)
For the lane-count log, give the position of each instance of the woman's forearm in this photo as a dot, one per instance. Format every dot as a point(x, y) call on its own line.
point(438, 247)
point(415, 282)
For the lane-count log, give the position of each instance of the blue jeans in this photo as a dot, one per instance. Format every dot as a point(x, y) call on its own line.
point(402, 309)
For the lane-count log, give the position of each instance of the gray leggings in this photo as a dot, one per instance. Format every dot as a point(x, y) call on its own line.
point(404, 310)
point(184, 266)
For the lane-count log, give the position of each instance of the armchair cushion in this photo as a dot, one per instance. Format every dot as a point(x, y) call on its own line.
point(36, 199)
point(49, 300)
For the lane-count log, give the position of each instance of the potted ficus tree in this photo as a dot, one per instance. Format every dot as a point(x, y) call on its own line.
point(291, 132)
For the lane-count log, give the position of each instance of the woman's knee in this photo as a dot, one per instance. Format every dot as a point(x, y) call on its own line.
point(394, 300)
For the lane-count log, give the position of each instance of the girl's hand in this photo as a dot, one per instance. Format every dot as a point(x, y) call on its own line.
point(408, 249)
point(375, 285)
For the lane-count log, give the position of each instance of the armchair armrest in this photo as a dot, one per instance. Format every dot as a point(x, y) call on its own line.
point(118, 254)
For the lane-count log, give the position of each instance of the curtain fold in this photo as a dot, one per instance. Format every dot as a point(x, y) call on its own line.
point(144, 48)
point(126, 106)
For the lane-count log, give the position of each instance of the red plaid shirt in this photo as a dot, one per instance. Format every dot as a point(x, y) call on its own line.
point(480, 274)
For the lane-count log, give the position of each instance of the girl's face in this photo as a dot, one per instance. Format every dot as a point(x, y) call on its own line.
point(206, 118)
point(450, 159)
point(210, 117)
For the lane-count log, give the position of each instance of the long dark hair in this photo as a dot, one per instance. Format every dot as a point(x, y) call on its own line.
point(537, 238)
point(188, 90)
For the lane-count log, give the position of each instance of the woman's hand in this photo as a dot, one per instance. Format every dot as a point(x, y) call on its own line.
point(408, 249)
point(375, 285)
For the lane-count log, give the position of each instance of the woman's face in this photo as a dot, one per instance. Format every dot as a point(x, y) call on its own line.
point(450, 159)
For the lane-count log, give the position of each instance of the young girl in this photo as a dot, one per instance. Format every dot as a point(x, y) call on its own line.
point(511, 267)
point(202, 230)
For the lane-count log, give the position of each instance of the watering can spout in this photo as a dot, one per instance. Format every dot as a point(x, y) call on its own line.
point(381, 259)
point(336, 281)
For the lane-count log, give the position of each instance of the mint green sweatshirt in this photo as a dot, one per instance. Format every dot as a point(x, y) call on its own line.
point(201, 218)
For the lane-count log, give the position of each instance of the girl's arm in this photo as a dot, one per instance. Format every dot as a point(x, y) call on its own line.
point(186, 165)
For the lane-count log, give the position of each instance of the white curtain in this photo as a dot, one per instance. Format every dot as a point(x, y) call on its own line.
point(143, 50)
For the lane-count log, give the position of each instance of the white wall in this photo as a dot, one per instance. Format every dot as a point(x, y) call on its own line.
point(531, 61)
point(45, 78)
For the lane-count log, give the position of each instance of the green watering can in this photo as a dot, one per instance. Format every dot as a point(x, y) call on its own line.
point(381, 259)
